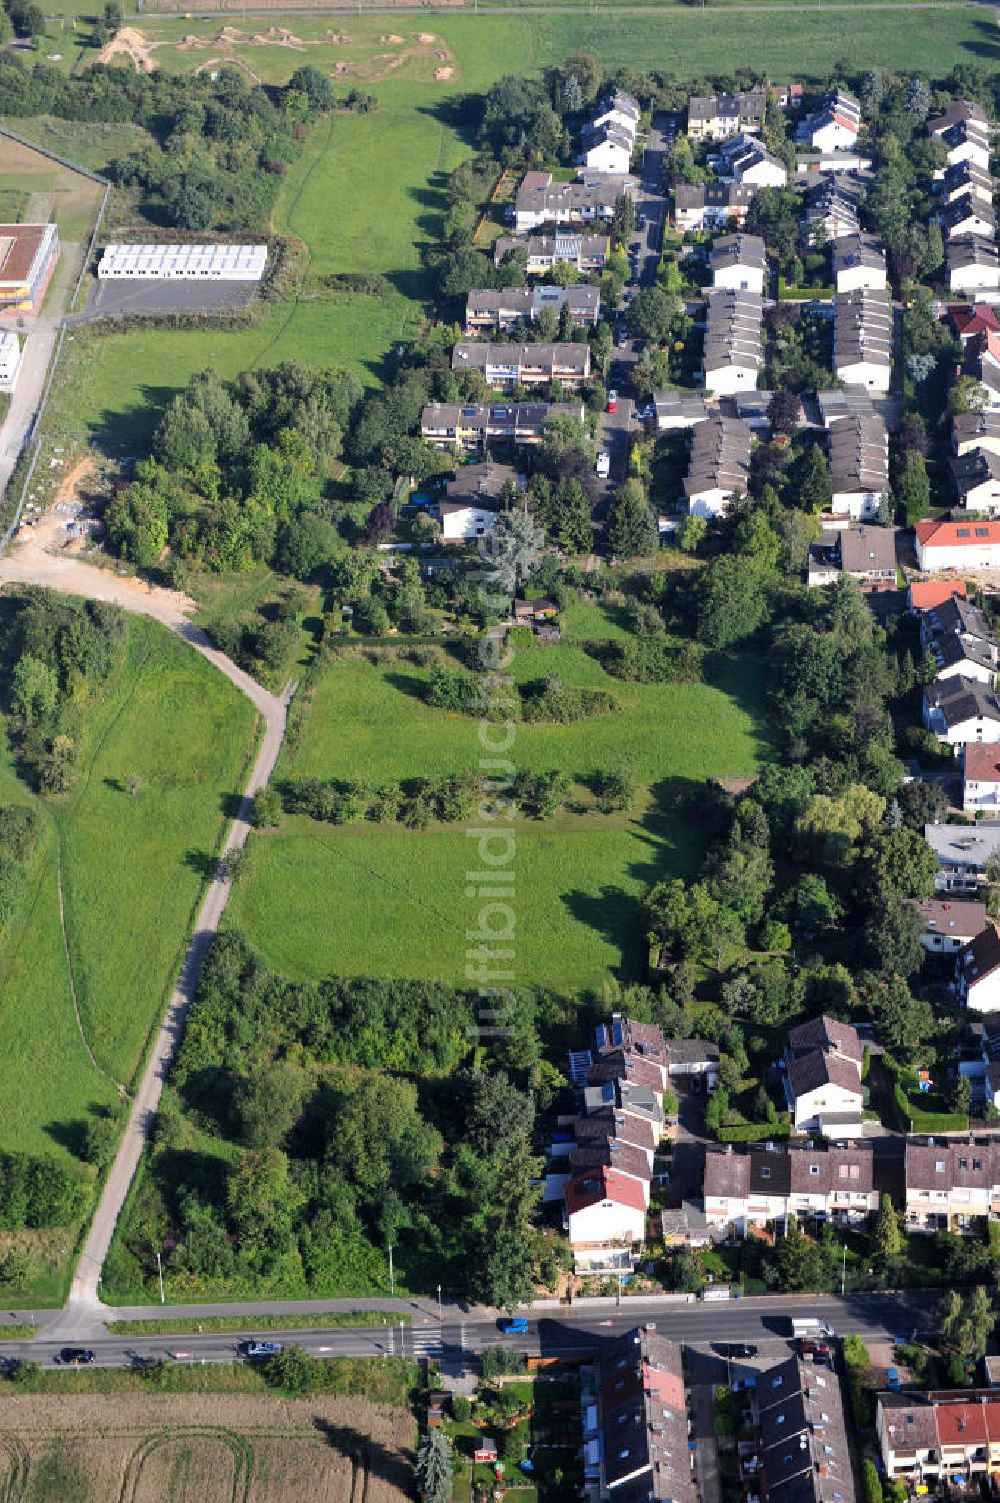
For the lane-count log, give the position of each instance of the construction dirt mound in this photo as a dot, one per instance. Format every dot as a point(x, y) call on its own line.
point(128, 45)
point(277, 36)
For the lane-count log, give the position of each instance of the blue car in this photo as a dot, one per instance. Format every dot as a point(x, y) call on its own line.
point(513, 1325)
point(892, 1379)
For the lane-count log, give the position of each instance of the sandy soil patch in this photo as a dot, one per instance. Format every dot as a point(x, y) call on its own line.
point(442, 73)
point(337, 39)
point(427, 38)
point(393, 38)
point(209, 1448)
point(277, 36)
point(130, 44)
point(213, 63)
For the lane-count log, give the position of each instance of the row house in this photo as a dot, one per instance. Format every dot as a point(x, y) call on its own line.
point(959, 638)
point(983, 362)
point(588, 253)
point(506, 365)
point(804, 1455)
point(469, 428)
point(963, 853)
point(862, 339)
point(950, 1184)
point(968, 215)
point(858, 264)
point(733, 354)
point(973, 265)
point(678, 410)
point(959, 112)
point(747, 160)
point(487, 308)
point(972, 432)
point(952, 1435)
point(834, 124)
point(957, 545)
point(739, 262)
point(717, 117)
point(711, 206)
point(967, 141)
point(831, 211)
point(965, 178)
point(719, 465)
point(762, 1185)
point(950, 923)
point(981, 780)
point(607, 141)
point(859, 467)
point(977, 976)
point(636, 1446)
point(822, 1075)
point(540, 201)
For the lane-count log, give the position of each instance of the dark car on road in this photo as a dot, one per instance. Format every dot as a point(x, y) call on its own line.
point(76, 1355)
point(736, 1349)
point(513, 1325)
point(255, 1351)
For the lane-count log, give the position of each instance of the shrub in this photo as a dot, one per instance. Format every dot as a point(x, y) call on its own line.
point(461, 1408)
point(266, 809)
point(873, 1487)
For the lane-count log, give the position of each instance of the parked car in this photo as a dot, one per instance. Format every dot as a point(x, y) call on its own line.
point(736, 1349)
point(77, 1356)
point(640, 222)
point(255, 1351)
point(612, 400)
point(892, 1379)
point(513, 1325)
point(603, 465)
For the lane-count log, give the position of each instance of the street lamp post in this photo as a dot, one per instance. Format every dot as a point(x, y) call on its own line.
point(159, 1270)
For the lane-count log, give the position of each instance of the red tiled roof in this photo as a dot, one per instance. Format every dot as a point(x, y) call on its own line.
point(982, 763)
point(945, 534)
point(602, 1184)
point(975, 320)
point(960, 1424)
point(925, 594)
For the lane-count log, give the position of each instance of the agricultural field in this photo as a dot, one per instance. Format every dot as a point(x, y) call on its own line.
point(202, 1449)
point(132, 867)
point(381, 900)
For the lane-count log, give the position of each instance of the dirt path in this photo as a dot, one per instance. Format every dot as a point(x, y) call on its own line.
point(31, 563)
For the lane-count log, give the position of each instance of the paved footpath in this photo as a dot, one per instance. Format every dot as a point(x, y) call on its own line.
point(30, 564)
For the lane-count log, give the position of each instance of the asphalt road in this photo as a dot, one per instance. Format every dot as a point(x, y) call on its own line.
point(562, 1332)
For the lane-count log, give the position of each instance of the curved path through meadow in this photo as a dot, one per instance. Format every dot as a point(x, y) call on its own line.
point(30, 563)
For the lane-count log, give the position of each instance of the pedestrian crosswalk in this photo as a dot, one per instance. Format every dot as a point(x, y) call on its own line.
point(424, 1341)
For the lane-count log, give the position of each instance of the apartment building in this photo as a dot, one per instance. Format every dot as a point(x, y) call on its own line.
point(467, 429)
point(588, 253)
point(963, 853)
point(507, 365)
point(717, 117)
point(487, 308)
point(541, 201)
point(719, 465)
point(733, 354)
point(862, 339)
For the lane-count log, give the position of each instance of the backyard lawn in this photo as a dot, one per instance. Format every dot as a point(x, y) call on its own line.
point(381, 900)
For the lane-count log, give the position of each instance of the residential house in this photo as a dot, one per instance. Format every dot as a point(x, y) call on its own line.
point(957, 545)
point(469, 428)
point(626, 1098)
point(760, 1185)
point(540, 201)
point(862, 339)
point(983, 363)
point(967, 141)
point(642, 1039)
point(693, 1059)
point(813, 163)
point(963, 853)
point(487, 308)
point(976, 476)
point(968, 215)
point(950, 923)
point(924, 594)
point(949, 1183)
point(963, 178)
point(868, 554)
point(717, 117)
point(605, 1215)
point(906, 1426)
point(628, 1064)
point(973, 265)
point(711, 206)
point(949, 1437)
point(859, 467)
point(588, 253)
point(739, 262)
point(972, 431)
point(473, 500)
point(524, 364)
point(613, 1153)
point(635, 1423)
point(747, 160)
point(831, 211)
point(981, 778)
point(617, 108)
point(834, 124)
point(733, 353)
point(804, 1455)
point(822, 1070)
point(619, 1124)
point(839, 404)
point(959, 638)
point(961, 709)
point(606, 148)
point(977, 974)
point(719, 465)
point(676, 410)
point(858, 264)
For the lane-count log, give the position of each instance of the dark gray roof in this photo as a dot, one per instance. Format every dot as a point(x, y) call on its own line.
point(959, 699)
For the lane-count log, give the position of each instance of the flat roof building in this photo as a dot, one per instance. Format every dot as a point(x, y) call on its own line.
point(10, 359)
point(216, 263)
point(28, 254)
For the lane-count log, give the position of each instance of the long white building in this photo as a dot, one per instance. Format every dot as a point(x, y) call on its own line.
point(216, 263)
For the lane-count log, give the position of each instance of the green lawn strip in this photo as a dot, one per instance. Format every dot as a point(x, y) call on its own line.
point(92, 144)
point(323, 1319)
point(390, 1381)
point(18, 1332)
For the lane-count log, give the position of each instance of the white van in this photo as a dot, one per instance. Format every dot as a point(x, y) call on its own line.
point(603, 465)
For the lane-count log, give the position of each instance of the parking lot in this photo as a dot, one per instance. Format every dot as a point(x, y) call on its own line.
point(146, 297)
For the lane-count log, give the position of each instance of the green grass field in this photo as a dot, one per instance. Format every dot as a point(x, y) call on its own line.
point(381, 900)
point(132, 869)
